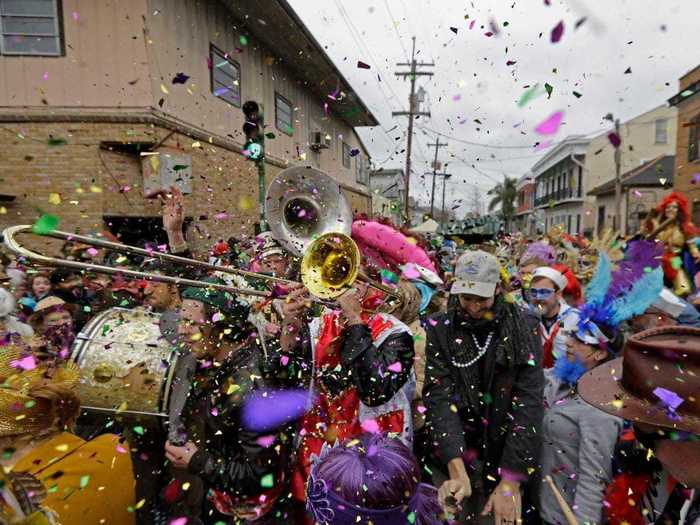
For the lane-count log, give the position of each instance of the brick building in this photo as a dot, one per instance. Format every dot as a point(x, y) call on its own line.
point(94, 94)
point(525, 221)
point(688, 143)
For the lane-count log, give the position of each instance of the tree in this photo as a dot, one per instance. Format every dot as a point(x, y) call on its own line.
point(504, 194)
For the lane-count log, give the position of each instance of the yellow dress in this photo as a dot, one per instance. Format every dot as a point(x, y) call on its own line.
point(88, 482)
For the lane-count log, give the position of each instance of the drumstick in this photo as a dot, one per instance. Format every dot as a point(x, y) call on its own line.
point(568, 513)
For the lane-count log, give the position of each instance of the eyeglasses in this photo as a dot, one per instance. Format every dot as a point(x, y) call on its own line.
point(541, 293)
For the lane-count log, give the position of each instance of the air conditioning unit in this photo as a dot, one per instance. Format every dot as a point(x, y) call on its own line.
point(319, 141)
point(163, 169)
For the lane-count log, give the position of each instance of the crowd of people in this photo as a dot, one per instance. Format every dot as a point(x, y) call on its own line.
point(552, 379)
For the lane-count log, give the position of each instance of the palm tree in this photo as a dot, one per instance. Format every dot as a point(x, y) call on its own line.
point(504, 194)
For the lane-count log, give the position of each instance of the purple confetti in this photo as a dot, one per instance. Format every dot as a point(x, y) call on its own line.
point(670, 399)
point(557, 32)
point(614, 139)
point(695, 178)
point(266, 410)
point(551, 125)
point(180, 78)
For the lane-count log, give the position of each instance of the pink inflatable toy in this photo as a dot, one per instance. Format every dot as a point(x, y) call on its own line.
point(386, 247)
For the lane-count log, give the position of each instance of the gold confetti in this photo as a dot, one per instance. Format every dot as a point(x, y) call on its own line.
point(195, 337)
point(54, 198)
point(618, 404)
point(62, 447)
point(164, 89)
point(95, 189)
point(196, 145)
point(185, 486)
point(3, 210)
point(246, 203)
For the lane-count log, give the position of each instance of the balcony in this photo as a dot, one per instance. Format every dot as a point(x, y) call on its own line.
point(558, 196)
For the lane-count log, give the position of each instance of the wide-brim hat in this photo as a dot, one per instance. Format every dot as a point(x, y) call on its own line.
point(46, 305)
point(656, 381)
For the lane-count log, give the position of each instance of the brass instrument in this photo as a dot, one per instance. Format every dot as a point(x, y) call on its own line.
point(13, 245)
point(311, 217)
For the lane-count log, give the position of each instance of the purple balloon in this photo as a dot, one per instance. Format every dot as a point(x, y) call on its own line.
point(266, 410)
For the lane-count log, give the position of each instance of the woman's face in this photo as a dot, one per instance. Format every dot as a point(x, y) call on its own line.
point(577, 350)
point(194, 329)
point(671, 210)
point(41, 286)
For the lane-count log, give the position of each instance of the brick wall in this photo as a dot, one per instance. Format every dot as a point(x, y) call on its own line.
point(91, 181)
point(686, 170)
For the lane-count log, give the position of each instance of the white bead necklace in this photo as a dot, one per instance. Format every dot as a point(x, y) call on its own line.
point(481, 349)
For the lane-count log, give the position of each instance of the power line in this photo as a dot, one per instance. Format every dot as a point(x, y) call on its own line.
point(396, 30)
point(470, 143)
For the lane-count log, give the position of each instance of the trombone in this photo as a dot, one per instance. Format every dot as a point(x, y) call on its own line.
point(330, 265)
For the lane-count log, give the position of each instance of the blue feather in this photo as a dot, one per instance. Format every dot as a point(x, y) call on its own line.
point(598, 287)
point(644, 292)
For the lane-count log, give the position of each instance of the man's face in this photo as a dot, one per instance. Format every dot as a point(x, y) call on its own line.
point(276, 265)
point(158, 296)
point(545, 297)
point(475, 306)
point(652, 318)
point(56, 319)
point(194, 329)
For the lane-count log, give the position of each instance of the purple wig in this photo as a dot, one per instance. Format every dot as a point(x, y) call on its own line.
point(542, 251)
point(373, 478)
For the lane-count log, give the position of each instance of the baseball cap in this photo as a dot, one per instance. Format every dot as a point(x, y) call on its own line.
point(477, 273)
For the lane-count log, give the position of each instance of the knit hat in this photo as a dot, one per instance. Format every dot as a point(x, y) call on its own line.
point(233, 307)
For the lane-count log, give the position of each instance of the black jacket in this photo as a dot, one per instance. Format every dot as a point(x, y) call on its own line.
point(365, 366)
point(230, 458)
point(511, 410)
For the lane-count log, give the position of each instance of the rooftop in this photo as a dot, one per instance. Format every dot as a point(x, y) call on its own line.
point(280, 29)
point(646, 175)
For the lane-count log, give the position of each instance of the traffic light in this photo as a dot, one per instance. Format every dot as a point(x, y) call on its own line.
point(254, 147)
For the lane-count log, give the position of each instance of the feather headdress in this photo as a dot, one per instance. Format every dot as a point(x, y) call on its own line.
point(615, 295)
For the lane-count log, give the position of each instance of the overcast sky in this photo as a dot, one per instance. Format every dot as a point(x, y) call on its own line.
point(657, 39)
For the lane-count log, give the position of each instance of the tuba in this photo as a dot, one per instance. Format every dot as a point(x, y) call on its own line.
point(311, 217)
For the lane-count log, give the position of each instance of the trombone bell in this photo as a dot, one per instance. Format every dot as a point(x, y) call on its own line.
point(330, 265)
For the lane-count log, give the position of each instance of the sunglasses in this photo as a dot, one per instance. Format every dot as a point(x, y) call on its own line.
point(541, 293)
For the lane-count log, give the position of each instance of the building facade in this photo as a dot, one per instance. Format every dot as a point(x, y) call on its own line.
point(91, 92)
point(388, 190)
point(560, 187)
point(688, 144)
point(648, 137)
point(642, 189)
point(525, 220)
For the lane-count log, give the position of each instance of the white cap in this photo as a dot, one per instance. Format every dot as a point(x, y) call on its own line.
point(553, 275)
point(477, 273)
point(669, 303)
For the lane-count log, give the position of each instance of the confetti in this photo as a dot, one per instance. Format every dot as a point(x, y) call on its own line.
point(529, 95)
point(164, 89)
point(267, 481)
point(370, 425)
point(54, 198)
point(557, 32)
point(180, 78)
point(362, 65)
point(45, 224)
point(550, 125)
point(614, 139)
point(395, 367)
point(84, 480)
point(548, 88)
point(266, 410)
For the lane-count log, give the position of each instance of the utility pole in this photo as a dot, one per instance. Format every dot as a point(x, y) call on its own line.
point(618, 181)
point(412, 112)
point(444, 176)
point(437, 145)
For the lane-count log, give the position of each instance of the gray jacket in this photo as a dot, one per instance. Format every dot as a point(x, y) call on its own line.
point(577, 449)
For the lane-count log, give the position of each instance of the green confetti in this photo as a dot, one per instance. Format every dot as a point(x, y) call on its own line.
point(530, 94)
point(243, 40)
point(267, 481)
point(56, 141)
point(577, 94)
point(549, 88)
point(84, 480)
point(139, 430)
point(52, 489)
point(411, 517)
point(45, 224)
point(179, 167)
point(270, 135)
point(428, 470)
point(531, 362)
point(676, 263)
point(487, 398)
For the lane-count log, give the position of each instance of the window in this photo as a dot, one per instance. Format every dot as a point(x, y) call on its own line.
point(578, 223)
point(225, 77)
point(283, 114)
point(30, 27)
point(568, 224)
point(346, 155)
point(694, 139)
point(361, 170)
point(661, 131)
